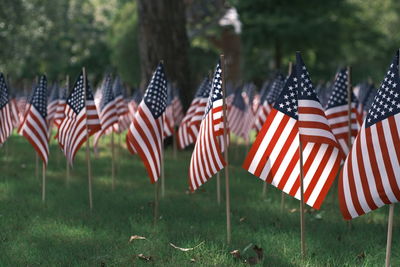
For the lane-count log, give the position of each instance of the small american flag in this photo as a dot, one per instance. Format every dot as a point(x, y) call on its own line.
point(237, 113)
point(145, 134)
point(80, 119)
point(177, 107)
point(108, 110)
point(267, 101)
point(207, 157)
point(169, 119)
point(122, 107)
point(274, 156)
point(14, 112)
point(59, 114)
point(52, 105)
point(189, 127)
point(6, 125)
point(370, 177)
point(34, 127)
point(337, 111)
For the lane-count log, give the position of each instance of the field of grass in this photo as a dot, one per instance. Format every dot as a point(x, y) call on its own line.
point(63, 232)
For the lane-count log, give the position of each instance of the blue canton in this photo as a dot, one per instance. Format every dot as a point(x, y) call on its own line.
point(155, 96)
point(3, 91)
point(39, 97)
point(216, 91)
point(287, 100)
point(387, 100)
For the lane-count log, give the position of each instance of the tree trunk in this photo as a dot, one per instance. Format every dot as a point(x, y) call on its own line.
point(162, 36)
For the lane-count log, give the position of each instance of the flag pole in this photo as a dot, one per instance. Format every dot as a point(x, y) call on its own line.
point(389, 235)
point(226, 170)
point(162, 170)
point(290, 68)
point(264, 191)
point(302, 225)
point(157, 185)
point(174, 144)
point(67, 164)
point(218, 189)
point(44, 183)
point(37, 166)
point(349, 105)
point(112, 161)
point(89, 167)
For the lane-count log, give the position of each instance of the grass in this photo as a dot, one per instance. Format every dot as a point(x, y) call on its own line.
point(63, 232)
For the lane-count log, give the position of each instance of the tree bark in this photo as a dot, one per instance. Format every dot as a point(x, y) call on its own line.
point(162, 36)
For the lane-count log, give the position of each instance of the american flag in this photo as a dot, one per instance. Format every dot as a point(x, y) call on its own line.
point(169, 119)
point(59, 114)
point(207, 157)
point(15, 117)
point(337, 111)
point(237, 114)
point(6, 125)
point(80, 119)
point(35, 127)
point(274, 156)
point(133, 103)
point(52, 105)
point(122, 107)
point(108, 109)
point(370, 177)
point(177, 107)
point(268, 100)
point(189, 127)
point(145, 133)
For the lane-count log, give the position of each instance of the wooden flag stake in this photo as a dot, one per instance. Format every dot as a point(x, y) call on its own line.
point(226, 170)
point(349, 105)
point(174, 144)
point(302, 224)
point(389, 235)
point(44, 183)
point(264, 190)
point(218, 189)
point(157, 185)
point(162, 170)
point(67, 164)
point(290, 68)
point(112, 161)
point(89, 167)
point(37, 166)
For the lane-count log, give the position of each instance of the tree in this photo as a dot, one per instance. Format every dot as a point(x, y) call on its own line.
point(162, 36)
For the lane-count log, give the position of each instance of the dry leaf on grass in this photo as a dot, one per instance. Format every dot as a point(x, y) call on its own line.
point(185, 249)
point(136, 237)
point(236, 254)
point(144, 258)
point(192, 260)
point(242, 219)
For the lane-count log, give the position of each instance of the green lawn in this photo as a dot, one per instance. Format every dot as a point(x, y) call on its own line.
point(64, 232)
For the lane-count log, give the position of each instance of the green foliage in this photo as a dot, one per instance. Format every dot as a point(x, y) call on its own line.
point(329, 33)
point(124, 42)
point(63, 232)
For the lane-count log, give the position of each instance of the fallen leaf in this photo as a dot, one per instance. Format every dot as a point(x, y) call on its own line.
point(144, 258)
point(242, 219)
point(259, 251)
point(236, 254)
point(136, 237)
point(192, 260)
point(292, 210)
point(361, 256)
point(185, 249)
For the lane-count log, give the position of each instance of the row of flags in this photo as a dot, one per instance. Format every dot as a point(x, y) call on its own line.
point(297, 134)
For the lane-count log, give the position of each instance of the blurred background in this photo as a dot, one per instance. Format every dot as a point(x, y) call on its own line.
point(258, 37)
